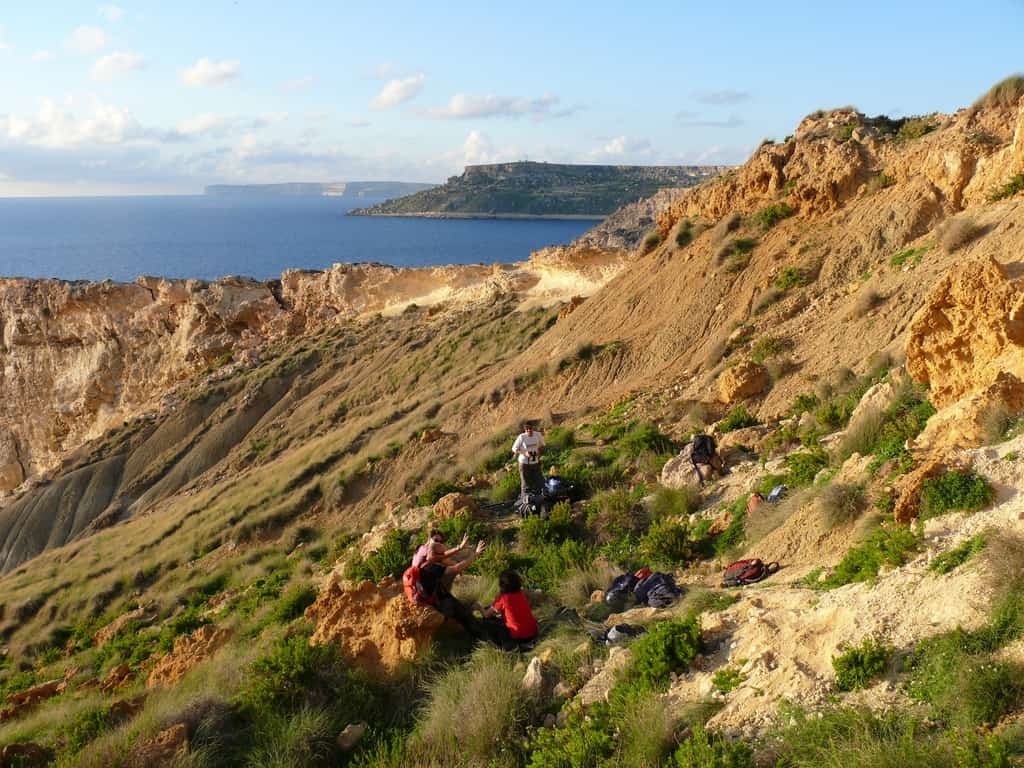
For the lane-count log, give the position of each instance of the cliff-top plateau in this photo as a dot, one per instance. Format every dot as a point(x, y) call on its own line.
point(541, 190)
point(209, 491)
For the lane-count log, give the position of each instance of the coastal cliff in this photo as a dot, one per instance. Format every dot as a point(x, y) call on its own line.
point(530, 189)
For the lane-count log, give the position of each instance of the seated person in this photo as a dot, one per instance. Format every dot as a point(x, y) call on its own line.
point(516, 624)
point(433, 550)
point(437, 579)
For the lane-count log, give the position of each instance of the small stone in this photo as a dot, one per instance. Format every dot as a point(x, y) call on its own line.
point(533, 680)
point(597, 596)
point(350, 736)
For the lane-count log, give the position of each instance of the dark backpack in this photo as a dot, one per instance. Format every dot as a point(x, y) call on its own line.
point(703, 449)
point(531, 504)
point(659, 590)
point(747, 572)
point(620, 590)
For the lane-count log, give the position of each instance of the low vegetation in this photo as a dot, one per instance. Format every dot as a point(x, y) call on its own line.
point(772, 214)
point(956, 490)
point(859, 666)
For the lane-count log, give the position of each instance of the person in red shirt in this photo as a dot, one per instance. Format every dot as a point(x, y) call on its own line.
point(517, 625)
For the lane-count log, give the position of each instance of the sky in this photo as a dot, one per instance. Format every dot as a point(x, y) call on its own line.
point(164, 98)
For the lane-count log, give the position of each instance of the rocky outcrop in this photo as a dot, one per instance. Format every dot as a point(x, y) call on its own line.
point(168, 746)
point(970, 330)
point(455, 504)
point(107, 632)
point(21, 702)
point(743, 380)
point(376, 626)
point(188, 652)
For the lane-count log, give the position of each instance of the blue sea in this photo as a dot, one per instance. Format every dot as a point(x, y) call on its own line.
point(209, 237)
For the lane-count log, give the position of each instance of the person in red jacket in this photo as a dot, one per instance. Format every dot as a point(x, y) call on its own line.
point(515, 625)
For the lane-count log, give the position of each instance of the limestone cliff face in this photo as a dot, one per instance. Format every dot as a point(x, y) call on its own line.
point(833, 157)
point(79, 358)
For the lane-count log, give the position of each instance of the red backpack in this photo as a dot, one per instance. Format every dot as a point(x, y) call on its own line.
point(413, 587)
point(747, 572)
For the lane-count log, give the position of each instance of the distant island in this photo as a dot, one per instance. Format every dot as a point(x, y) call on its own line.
point(540, 190)
point(371, 189)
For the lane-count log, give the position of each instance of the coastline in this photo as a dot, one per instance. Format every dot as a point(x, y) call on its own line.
point(456, 215)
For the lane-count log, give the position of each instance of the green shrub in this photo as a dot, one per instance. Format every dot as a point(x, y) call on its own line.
point(890, 545)
point(915, 254)
point(391, 559)
point(585, 741)
point(559, 439)
point(727, 679)
point(915, 128)
point(644, 724)
point(965, 685)
point(429, 496)
point(860, 738)
point(802, 467)
point(86, 726)
point(710, 750)
point(772, 214)
point(507, 487)
point(737, 418)
point(790, 277)
point(616, 513)
point(675, 502)
point(667, 648)
point(642, 437)
point(651, 241)
point(1013, 187)
point(954, 490)
point(666, 543)
point(803, 403)
point(282, 677)
point(547, 564)
point(951, 559)
point(768, 346)
point(858, 666)
point(685, 234)
point(293, 603)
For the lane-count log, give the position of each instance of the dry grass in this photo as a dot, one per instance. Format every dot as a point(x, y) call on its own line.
point(954, 234)
point(770, 516)
point(842, 503)
point(862, 434)
point(473, 710)
point(725, 225)
point(1004, 95)
point(575, 588)
point(865, 300)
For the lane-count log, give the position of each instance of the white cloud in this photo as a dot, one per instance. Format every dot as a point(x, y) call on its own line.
point(623, 146)
point(207, 72)
point(398, 91)
point(111, 12)
point(211, 125)
point(4, 45)
point(55, 128)
point(87, 39)
point(114, 64)
point(41, 57)
point(202, 124)
point(299, 84)
point(357, 123)
point(464, 106)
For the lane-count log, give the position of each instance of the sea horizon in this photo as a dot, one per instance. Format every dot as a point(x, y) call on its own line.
point(209, 237)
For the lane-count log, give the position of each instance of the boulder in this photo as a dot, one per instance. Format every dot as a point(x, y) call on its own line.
point(116, 677)
point(163, 749)
point(454, 505)
point(907, 489)
point(350, 736)
point(678, 472)
point(596, 689)
point(972, 420)
point(431, 435)
point(376, 626)
point(570, 307)
point(743, 380)
point(188, 651)
point(107, 632)
point(969, 331)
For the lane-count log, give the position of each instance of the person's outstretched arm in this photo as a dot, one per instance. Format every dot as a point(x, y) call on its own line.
point(455, 570)
point(462, 546)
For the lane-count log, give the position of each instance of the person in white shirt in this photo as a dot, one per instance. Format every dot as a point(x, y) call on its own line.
point(528, 448)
